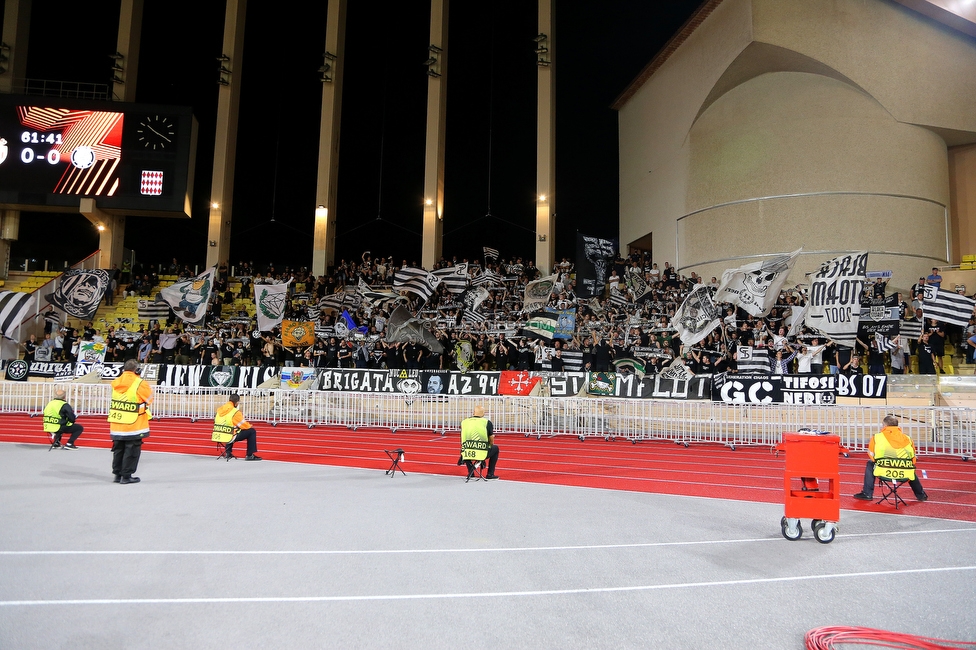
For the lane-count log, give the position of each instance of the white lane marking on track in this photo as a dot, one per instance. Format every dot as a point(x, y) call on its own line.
point(510, 549)
point(495, 594)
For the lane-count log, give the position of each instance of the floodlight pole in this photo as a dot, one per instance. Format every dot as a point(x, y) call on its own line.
point(545, 206)
point(433, 237)
point(130, 31)
point(323, 240)
point(225, 143)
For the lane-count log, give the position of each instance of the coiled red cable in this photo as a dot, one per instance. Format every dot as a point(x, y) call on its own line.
point(825, 638)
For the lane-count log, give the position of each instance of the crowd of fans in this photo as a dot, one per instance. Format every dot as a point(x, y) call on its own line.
point(608, 328)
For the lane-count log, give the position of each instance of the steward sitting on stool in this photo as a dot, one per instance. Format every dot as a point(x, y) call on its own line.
point(59, 418)
point(478, 443)
point(230, 426)
point(891, 443)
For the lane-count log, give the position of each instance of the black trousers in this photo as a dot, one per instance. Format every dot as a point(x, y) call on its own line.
point(74, 429)
point(125, 456)
point(492, 459)
point(244, 434)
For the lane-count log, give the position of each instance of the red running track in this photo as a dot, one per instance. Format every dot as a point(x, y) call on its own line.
point(746, 474)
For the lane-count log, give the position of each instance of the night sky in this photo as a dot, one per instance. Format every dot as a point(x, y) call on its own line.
point(491, 105)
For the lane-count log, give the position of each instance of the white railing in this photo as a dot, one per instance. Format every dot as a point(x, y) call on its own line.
point(934, 429)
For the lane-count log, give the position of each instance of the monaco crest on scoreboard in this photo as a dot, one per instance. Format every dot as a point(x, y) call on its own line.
point(152, 183)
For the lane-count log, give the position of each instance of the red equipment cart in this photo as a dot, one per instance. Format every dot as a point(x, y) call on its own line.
point(812, 484)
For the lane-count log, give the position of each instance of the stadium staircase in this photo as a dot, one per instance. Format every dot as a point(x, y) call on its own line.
point(28, 282)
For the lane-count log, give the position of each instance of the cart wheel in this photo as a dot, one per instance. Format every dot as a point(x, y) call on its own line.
point(790, 534)
point(816, 523)
point(582, 438)
point(824, 534)
point(274, 424)
point(634, 441)
point(311, 426)
point(355, 428)
point(732, 447)
point(538, 436)
point(393, 430)
point(193, 420)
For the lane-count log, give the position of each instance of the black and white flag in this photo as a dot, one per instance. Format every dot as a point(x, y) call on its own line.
point(594, 260)
point(375, 297)
point(189, 299)
point(697, 316)
point(911, 329)
point(879, 316)
point(639, 287)
point(403, 327)
point(490, 253)
point(153, 309)
point(834, 304)
point(454, 278)
point(884, 344)
point(617, 297)
point(52, 316)
point(752, 360)
point(470, 300)
point(416, 281)
point(80, 291)
point(755, 287)
point(14, 308)
point(487, 278)
point(537, 292)
point(947, 306)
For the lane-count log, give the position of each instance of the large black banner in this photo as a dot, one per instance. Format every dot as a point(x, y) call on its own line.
point(747, 389)
point(214, 376)
point(795, 389)
point(880, 316)
point(594, 260)
point(862, 386)
point(429, 382)
point(809, 389)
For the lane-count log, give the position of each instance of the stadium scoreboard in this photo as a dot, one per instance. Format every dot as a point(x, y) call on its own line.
point(132, 159)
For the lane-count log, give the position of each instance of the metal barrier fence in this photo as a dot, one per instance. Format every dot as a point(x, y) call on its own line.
point(934, 429)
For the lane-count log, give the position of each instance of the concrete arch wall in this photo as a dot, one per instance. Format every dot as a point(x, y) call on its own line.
point(848, 103)
point(790, 159)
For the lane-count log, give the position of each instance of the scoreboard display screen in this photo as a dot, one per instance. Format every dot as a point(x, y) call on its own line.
point(130, 158)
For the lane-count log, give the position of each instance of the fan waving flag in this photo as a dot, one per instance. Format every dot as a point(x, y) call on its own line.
point(271, 301)
point(697, 316)
point(947, 306)
point(375, 297)
point(14, 307)
point(512, 382)
point(454, 278)
point(79, 292)
point(490, 253)
point(755, 287)
point(189, 299)
point(416, 281)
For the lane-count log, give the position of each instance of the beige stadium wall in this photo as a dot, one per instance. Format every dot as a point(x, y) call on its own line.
point(786, 123)
point(962, 199)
